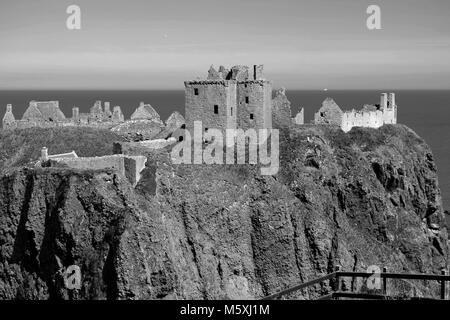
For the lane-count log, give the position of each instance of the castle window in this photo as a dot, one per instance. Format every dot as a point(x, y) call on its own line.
point(231, 110)
point(206, 129)
point(180, 138)
point(196, 91)
point(246, 99)
point(251, 116)
point(216, 109)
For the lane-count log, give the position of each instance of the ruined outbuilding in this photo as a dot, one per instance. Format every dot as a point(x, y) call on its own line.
point(175, 126)
point(44, 111)
point(372, 116)
point(329, 113)
point(146, 111)
point(48, 114)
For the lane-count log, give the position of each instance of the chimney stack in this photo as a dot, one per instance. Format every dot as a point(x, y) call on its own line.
point(44, 154)
point(391, 100)
point(384, 101)
point(75, 112)
point(107, 108)
point(258, 72)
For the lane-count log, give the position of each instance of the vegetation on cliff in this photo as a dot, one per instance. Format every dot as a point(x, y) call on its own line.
point(368, 197)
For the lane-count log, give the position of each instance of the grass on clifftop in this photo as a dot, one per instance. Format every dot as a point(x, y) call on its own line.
point(20, 147)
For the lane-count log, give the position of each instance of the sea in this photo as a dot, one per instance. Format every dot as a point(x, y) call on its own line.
point(426, 112)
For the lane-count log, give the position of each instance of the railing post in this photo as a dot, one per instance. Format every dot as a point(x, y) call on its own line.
point(337, 285)
point(384, 280)
point(443, 284)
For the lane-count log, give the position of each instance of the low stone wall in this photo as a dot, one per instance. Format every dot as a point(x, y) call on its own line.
point(23, 124)
point(128, 166)
point(128, 148)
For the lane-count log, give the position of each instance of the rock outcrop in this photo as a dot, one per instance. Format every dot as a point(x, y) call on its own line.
point(368, 197)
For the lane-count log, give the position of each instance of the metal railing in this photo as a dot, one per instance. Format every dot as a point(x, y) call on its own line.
point(337, 293)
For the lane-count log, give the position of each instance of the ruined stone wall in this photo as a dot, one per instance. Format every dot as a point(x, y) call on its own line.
point(133, 167)
point(368, 119)
point(143, 146)
point(23, 124)
point(9, 125)
point(267, 105)
point(32, 113)
point(390, 115)
point(201, 107)
point(48, 115)
point(128, 166)
point(254, 99)
point(299, 118)
point(329, 113)
point(115, 161)
point(96, 112)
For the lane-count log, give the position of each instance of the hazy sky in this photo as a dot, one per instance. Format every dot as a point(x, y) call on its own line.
point(145, 44)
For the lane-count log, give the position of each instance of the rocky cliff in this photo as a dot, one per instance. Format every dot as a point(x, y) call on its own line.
point(368, 197)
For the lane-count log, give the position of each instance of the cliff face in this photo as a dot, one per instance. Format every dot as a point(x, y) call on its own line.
point(368, 197)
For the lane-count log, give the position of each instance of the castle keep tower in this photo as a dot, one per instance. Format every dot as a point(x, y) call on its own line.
point(230, 99)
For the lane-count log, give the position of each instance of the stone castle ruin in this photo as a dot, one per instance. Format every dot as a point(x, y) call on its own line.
point(236, 98)
point(370, 116)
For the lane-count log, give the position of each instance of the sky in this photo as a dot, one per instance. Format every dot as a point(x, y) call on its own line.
point(145, 44)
